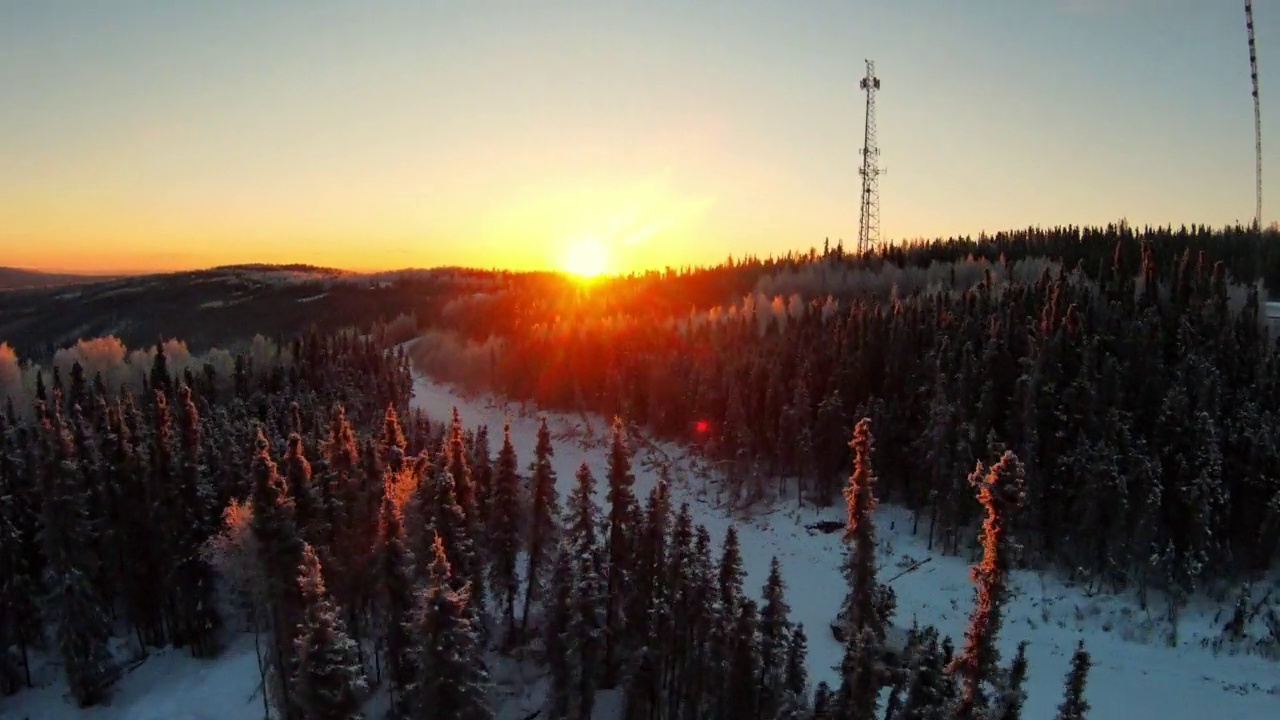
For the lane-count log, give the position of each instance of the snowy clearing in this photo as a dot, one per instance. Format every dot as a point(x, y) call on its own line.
point(1128, 675)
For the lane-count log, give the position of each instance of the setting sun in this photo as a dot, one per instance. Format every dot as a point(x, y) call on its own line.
point(586, 259)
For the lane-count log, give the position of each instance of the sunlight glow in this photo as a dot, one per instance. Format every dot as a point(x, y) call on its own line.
point(586, 259)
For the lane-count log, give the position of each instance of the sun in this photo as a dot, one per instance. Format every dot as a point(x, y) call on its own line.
point(586, 259)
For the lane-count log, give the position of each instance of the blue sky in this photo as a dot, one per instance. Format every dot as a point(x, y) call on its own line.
point(143, 135)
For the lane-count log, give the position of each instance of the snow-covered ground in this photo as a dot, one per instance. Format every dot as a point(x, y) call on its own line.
point(1135, 673)
point(169, 685)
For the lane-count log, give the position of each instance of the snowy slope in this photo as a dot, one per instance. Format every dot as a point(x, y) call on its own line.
point(1134, 671)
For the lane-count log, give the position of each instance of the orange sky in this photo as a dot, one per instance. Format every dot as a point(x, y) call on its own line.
point(491, 133)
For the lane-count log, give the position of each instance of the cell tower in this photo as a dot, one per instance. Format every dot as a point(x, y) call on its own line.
point(1257, 109)
point(869, 225)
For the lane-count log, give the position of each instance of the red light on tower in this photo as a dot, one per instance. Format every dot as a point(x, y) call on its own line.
point(701, 427)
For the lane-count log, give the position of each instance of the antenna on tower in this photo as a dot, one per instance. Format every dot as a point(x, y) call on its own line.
point(869, 224)
point(1257, 109)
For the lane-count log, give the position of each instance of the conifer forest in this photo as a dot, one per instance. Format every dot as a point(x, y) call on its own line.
point(1096, 406)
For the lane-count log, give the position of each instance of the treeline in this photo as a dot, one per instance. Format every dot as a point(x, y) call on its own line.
point(107, 499)
point(111, 368)
point(1139, 389)
point(514, 303)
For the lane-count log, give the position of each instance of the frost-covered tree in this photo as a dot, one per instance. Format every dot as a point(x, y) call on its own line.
point(328, 680)
point(280, 551)
point(397, 601)
point(543, 526)
point(452, 682)
point(1000, 490)
point(194, 587)
point(868, 605)
point(306, 506)
point(1013, 695)
point(794, 701)
point(81, 618)
point(464, 484)
point(504, 542)
point(450, 524)
point(391, 444)
point(775, 642)
point(582, 589)
point(930, 689)
point(1074, 706)
point(557, 614)
point(619, 546)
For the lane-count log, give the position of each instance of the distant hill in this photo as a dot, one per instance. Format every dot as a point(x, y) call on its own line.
point(16, 278)
point(217, 307)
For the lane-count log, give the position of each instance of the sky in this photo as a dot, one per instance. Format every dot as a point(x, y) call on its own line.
point(143, 136)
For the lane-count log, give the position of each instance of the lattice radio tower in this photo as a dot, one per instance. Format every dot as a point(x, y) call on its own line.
point(869, 225)
point(1257, 109)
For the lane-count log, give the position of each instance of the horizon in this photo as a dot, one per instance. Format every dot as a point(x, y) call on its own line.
point(586, 138)
point(778, 254)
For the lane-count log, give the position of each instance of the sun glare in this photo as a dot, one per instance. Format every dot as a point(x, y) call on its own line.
point(586, 259)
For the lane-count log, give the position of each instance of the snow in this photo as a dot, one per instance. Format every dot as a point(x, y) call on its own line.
point(169, 685)
point(1133, 667)
point(1134, 671)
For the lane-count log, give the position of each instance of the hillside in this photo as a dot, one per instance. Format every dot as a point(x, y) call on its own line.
point(220, 307)
point(17, 279)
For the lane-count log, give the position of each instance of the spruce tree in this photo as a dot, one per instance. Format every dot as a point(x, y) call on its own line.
point(306, 506)
point(678, 579)
point(452, 682)
point(464, 487)
point(328, 680)
point(775, 639)
point(726, 615)
point(1074, 706)
point(544, 529)
point(19, 609)
point(650, 595)
point(823, 701)
point(702, 662)
point(1000, 490)
point(557, 614)
point(869, 605)
point(197, 519)
point(619, 547)
point(584, 631)
point(391, 444)
point(450, 524)
point(340, 454)
point(198, 616)
point(164, 512)
point(481, 463)
point(280, 554)
point(930, 688)
point(93, 486)
point(794, 701)
point(742, 686)
point(142, 551)
point(160, 378)
point(397, 605)
point(80, 616)
point(1013, 696)
point(504, 534)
